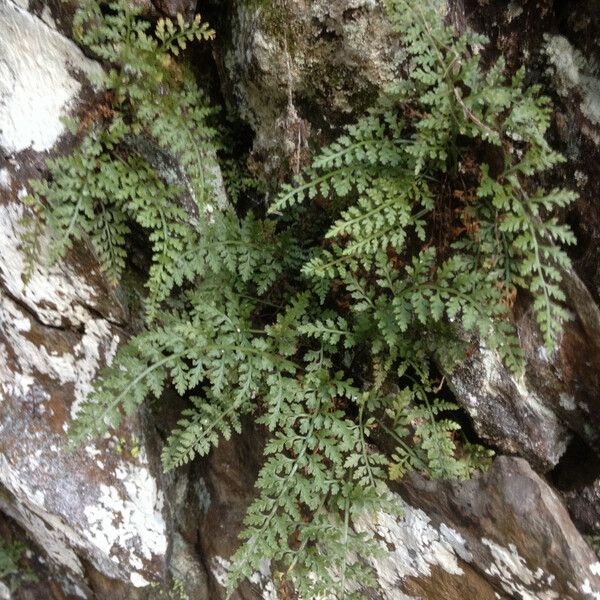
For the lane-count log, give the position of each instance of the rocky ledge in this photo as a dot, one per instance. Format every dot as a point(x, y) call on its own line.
point(101, 521)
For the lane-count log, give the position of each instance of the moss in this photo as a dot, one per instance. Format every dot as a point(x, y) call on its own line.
point(278, 20)
point(337, 90)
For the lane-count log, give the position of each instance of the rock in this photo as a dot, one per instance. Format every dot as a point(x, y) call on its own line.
point(35, 57)
point(534, 416)
point(584, 506)
point(558, 43)
point(506, 412)
point(294, 67)
point(171, 8)
point(223, 488)
point(37, 578)
point(296, 71)
point(505, 534)
point(575, 75)
point(97, 503)
point(99, 508)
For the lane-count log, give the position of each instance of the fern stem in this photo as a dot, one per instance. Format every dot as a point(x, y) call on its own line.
point(261, 301)
point(118, 399)
point(305, 541)
point(363, 443)
point(72, 222)
point(282, 491)
point(296, 191)
point(538, 264)
point(404, 445)
point(168, 460)
point(342, 586)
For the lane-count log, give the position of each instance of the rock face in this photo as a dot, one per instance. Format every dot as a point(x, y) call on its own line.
point(95, 506)
point(35, 58)
point(584, 506)
point(505, 534)
point(536, 415)
point(103, 518)
point(297, 67)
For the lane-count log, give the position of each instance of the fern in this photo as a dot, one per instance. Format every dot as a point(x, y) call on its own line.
point(268, 316)
point(107, 183)
point(317, 473)
point(350, 162)
point(501, 244)
point(203, 426)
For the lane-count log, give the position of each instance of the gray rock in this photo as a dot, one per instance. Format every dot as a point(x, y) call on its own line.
point(35, 58)
point(584, 506)
point(505, 532)
point(97, 505)
point(534, 416)
point(576, 76)
point(506, 412)
point(294, 67)
point(294, 70)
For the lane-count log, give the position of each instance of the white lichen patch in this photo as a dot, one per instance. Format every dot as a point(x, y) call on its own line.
point(515, 575)
point(50, 486)
point(4, 592)
point(95, 330)
point(15, 383)
point(567, 401)
point(127, 519)
point(78, 367)
point(19, 486)
point(55, 294)
point(587, 589)
point(264, 582)
point(5, 179)
point(37, 82)
point(219, 567)
point(138, 581)
point(457, 542)
point(415, 547)
point(574, 72)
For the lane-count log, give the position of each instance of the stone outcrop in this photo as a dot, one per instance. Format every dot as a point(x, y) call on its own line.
point(96, 505)
point(102, 517)
point(508, 528)
point(295, 70)
point(536, 415)
point(505, 534)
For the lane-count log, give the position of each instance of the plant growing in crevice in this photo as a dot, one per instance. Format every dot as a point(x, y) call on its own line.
point(108, 182)
point(12, 573)
point(324, 321)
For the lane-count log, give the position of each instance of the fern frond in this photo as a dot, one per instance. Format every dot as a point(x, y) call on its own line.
point(202, 426)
